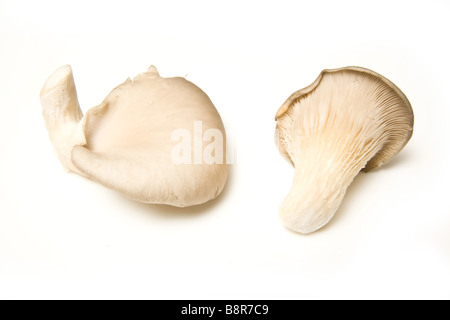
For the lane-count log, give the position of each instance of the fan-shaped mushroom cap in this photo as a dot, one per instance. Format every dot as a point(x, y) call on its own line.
point(348, 120)
point(126, 143)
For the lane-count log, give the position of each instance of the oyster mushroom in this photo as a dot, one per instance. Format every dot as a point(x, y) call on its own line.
point(127, 142)
point(348, 120)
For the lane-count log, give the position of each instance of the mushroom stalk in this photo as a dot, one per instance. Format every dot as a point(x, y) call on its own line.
point(323, 172)
point(62, 114)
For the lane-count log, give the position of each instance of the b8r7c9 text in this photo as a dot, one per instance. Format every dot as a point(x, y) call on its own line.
point(241, 309)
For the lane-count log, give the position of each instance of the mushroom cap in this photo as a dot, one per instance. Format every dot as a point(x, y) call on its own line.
point(392, 103)
point(132, 130)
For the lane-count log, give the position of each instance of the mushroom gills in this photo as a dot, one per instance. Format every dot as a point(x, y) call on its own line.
point(348, 120)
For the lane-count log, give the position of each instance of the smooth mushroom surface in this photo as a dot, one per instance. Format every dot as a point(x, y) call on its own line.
point(129, 142)
point(350, 119)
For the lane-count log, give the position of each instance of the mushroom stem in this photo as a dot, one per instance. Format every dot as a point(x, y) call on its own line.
point(62, 114)
point(322, 176)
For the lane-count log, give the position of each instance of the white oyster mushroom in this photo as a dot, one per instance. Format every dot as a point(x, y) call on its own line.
point(126, 143)
point(348, 120)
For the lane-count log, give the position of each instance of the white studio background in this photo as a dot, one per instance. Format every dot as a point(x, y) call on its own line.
point(65, 237)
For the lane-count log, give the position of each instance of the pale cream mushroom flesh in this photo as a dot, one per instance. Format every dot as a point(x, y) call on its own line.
point(127, 144)
point(348, 120)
